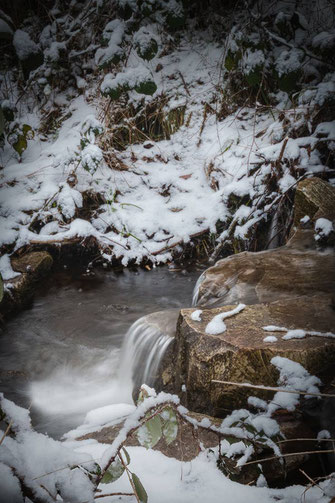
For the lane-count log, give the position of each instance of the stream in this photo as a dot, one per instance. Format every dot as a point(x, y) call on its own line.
point(70, 351)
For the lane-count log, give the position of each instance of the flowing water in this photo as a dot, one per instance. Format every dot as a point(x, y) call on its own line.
point(77, 349)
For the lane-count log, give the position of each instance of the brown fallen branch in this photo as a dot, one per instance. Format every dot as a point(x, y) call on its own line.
point(56, 241)
point(169, 247)
point(270, 388)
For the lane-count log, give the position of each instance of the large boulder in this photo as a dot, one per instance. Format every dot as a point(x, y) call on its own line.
point(241, 355)
point(299, 268)
point(267, 276)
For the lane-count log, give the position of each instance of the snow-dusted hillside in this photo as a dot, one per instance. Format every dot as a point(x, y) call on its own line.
point(145, 130)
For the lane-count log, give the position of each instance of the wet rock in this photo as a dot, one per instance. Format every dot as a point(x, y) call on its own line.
point(314, 198)
point(20, 290)
point(241, 355)
point(35, 263)
point(268, 276)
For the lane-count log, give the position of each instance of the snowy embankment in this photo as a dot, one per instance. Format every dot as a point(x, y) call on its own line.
point(221, 169)
point(71, 468)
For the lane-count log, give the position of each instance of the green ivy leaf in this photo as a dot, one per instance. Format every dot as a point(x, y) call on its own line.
point(113, 473)
point(150, 433)
point(127, 455)
point(250, 428)
point(21, 145)
point(140, 491)
point(170, 425)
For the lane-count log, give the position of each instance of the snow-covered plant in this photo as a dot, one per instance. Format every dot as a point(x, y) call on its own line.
point(18, 136)
point(145, 43)
point(91, 158)
point(141, 81)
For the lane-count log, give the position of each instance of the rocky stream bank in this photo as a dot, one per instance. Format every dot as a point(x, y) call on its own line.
point(287, 311)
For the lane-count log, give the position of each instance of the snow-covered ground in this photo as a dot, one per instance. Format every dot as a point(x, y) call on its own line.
point(49, 466)
point(155, 195)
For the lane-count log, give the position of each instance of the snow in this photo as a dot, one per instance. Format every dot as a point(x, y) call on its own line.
point(297, 333)
point(6, 270)
point(217, 325)
point(24, 45)
point(196, 315)
point(165, 479)
point(323, 227)
point(10, 486)
point(167, 194)
point(108, 413)
point(270, 338)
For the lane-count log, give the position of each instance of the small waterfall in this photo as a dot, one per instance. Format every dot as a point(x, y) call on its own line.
point(195, 296)
point(144, 346)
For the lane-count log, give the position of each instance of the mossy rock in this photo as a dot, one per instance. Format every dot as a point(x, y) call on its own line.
point(240, 354)
point(147, 87)
point(149, 52)
point(36, 263)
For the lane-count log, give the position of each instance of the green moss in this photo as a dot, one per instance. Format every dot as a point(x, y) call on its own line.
point(147, 87)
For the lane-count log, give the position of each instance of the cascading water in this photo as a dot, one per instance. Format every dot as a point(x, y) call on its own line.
point(145, 344)
point(69, 354)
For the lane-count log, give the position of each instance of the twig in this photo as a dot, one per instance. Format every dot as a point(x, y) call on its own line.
point(270, 388)
point(166, 248)
point(113, 494)
point(6, 432)
point(184, 83)
point(129, 477)
point(306, 440)
point(310, 479)
point(290, 454)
